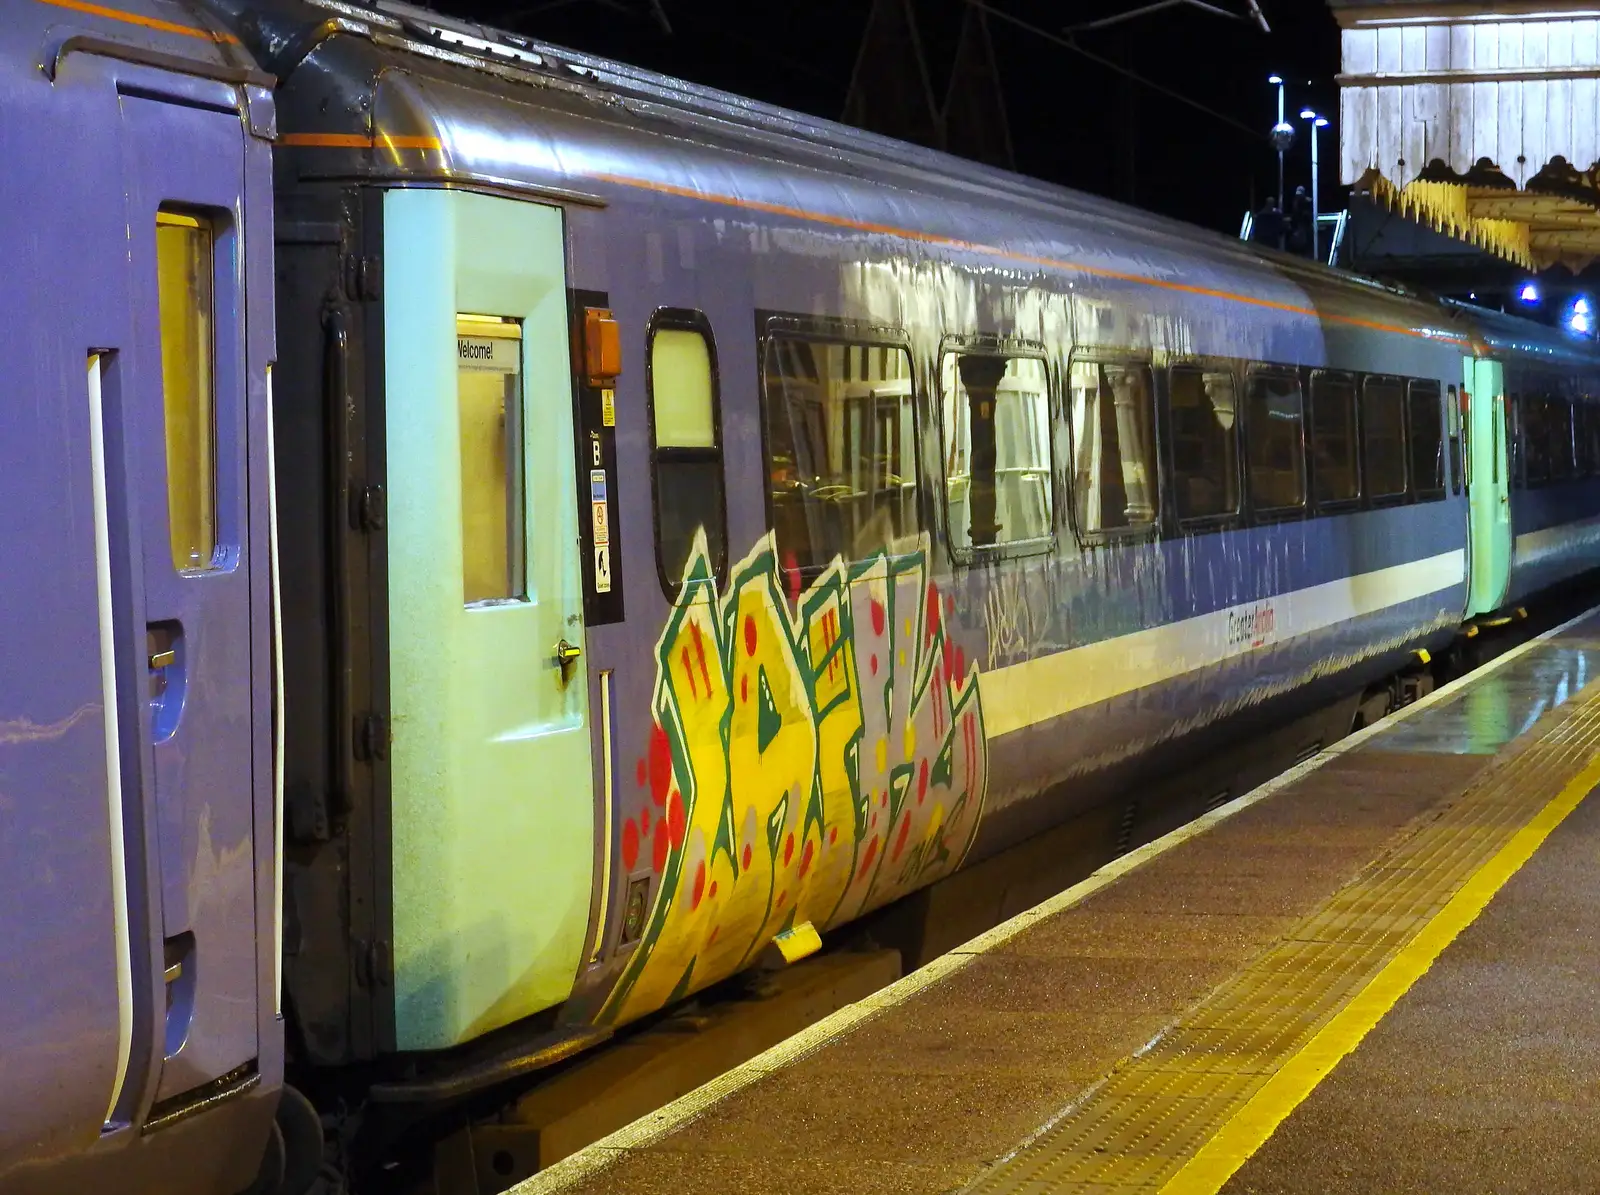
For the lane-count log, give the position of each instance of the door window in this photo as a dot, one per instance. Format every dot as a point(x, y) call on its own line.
point(687, 444)
point(1426, 440)
point(996, 417)
point(184, 250)
point(489, 401)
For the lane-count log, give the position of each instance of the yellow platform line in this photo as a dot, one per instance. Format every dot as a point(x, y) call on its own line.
point(1249, 1128)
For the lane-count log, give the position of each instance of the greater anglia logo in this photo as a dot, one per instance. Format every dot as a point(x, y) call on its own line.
point(1253, 627)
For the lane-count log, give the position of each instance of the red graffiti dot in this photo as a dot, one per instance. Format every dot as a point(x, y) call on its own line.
point(644, 820)
point(788, 849)
point(877, 617)
point(873, 662)
point(630, 844)
point(933, 610)
point(883, 798)
point(660, 765)
point(782, 897)
point(922, 782)
point(699, 885)
point(872, 822)
point(744, 688)
point(749, 635)
point(675, 819)
point(833, 835)
point(747, 856)
point(961, 661)
point(639, 771)
point(949, 604)
point(866, 860)
point(715, 930)
point(900, 838)
point(658, 847)
point(712, 895)
point(791, 574)
point(805, 859)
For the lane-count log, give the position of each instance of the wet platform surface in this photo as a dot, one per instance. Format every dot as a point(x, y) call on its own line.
point(1375, 975)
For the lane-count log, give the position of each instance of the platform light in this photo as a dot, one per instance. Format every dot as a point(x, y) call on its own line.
point(1529, 293)
point(1579, 316)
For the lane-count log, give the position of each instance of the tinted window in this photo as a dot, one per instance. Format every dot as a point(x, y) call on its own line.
point(841, 444)
point(1589, 437)
point(688, 445)
point(1112, 412)
point(489, 403)
point(1558, 433)
point(1334, 471)
point(1426, 439)
point(185, 306)
point(1383, 436)
point(1275, 454)
point(996, 419)
point(1534, 439)
point(1205, 442)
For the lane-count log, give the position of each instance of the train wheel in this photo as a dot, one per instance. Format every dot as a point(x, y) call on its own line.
point(301, 1130)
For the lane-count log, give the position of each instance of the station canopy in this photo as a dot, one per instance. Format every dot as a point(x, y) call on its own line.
point(1479, 121)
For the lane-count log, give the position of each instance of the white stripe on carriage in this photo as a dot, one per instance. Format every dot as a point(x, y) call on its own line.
point(1536, 546)
point(1022, 695)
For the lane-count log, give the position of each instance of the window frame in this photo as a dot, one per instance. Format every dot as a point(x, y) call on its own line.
point(1417, 493)
point(1009, 348)
point(1277, 514)
point(1168, 463)
point(684, 319)
point(1456, 446)
point(1097, 355)
point(771, 325)
point(1336, 505)
point(1404, 495)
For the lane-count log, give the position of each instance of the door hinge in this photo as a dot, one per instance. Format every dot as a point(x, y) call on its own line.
point(363, 277)
point(369, 508)
point(372, 738)
point(374, 964)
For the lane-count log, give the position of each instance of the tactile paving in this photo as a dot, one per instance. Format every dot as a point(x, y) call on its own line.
point(1138, 1127)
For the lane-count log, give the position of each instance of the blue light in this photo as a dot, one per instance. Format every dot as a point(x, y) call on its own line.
point(1579, 316)
point(1529, 293)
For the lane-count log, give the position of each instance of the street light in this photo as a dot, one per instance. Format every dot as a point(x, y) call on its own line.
point(1317, 123)
point(1282, 135)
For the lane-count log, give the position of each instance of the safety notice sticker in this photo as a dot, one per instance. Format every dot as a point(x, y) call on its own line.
point(599, 516)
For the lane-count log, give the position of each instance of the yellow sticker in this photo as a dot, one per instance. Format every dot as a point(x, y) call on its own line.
point(608, 407)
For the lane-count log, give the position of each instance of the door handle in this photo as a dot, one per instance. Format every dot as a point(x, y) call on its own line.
point(567, 653)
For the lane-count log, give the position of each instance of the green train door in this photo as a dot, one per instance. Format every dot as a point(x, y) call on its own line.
point(1488, 485)
point(492, 784)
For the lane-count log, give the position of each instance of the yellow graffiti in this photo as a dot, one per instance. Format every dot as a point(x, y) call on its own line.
point(808, 763)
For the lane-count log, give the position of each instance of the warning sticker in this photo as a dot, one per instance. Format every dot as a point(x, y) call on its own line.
point(608, 407)
point(602, 568)
point(599, 516)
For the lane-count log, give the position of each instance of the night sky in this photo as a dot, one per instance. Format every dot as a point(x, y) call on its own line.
point(1073, 120)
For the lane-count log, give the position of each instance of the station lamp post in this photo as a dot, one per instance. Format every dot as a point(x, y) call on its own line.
point(1282, 136)
point(1318, 123)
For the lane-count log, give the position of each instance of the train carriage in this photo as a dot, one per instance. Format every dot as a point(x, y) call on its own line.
point(699, 525)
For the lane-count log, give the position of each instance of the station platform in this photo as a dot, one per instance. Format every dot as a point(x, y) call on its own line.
point(1375, 973)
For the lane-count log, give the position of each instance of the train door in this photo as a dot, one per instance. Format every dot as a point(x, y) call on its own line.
point(194, 578)
point(492, 808)
point(1489, 485)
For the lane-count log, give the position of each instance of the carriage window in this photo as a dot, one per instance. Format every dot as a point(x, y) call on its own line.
point(489, 396)
point(1426, 440)
point(1533, 438)
point(1383, 436)
point(842, 450)
point(1113, 447)
point(1335, 474)
point(996, 418)
point(688, 447)
point(1273, 434)
point(1589, 437)
point(184, 246)
point(1452, 415)
point(1558, 430)
point(1205, 442)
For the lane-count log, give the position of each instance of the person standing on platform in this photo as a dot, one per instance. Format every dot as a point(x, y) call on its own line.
point(1298, 220)
point(1268, 226)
